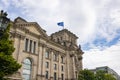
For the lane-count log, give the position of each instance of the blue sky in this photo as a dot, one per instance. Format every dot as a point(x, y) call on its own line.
point(95, 22)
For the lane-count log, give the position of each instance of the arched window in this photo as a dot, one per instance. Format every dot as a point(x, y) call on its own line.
point(27, 66)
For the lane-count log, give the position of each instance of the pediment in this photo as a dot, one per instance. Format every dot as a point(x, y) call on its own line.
point(35, 28)
point(20, 20)
point(32, 27)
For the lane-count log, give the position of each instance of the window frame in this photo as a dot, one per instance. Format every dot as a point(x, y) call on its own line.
point(55, 57)
point(55, 66)
point(26, 44)
point(47, 75)
point(62, 68)
point(62, 59)
point(47, 54)
point(47, 64)
point(34, 47)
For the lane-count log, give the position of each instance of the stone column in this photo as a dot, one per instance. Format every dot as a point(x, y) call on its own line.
point(32, 46)
point(74, 76)
point(43, 62)
point(39, 72)
point(51, 66)
point(67, 65)
point(59, 67)
point(17, 46)
point(20, 46)
point(34, 71)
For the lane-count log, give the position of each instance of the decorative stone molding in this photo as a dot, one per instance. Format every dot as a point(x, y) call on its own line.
point(27, 24)
point(41, 75)
point(79, 57)
point(72, 53)
point(17, 35)
point(42, 44)
point(30, 53)
point(15, 76)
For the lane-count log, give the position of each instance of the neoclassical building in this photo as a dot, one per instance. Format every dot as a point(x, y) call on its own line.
point(43, 57)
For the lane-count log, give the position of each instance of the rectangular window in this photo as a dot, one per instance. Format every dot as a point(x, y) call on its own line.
point(55, 66)
point(55, 76)
point(62, 68)
point(34, 49)
point(26, 44)
point(47, 54)
point(55, 57)
point(62, 76)
point(62, 59)
point(30, 48)
point(47, 74)
point(47, 64)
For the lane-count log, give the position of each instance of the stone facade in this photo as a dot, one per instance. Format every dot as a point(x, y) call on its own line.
point(43, 57)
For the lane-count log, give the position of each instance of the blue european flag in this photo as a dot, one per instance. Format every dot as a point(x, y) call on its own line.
point(60, 24)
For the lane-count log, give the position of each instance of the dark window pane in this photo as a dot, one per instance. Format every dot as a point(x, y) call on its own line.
point(55, 76)
point(34, 49)
point(26, 44)
point(30, 46)
point(47, 74)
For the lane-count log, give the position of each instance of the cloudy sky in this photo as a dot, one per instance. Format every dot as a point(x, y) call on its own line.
point(95, 22)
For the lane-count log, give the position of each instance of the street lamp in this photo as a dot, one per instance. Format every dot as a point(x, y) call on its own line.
point(4, 21)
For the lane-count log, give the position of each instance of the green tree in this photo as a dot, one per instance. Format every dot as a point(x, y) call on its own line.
point(99, 75)
point(102, 75)
point(86, 75)
point(8, 65)
point(109, 77)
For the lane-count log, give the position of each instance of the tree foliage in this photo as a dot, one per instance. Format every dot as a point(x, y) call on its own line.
point(99, 75)
point(102, 75)
point(8, 65)
point(109, 77)
point(86, 75)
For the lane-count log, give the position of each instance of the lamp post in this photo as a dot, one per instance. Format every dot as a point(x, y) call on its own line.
point(4, 21)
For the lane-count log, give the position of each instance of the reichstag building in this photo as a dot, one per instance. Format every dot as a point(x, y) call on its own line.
point(43, 57)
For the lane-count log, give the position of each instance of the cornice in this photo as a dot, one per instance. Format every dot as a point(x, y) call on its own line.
point(17, 35)
point(65, 30)
point(55, 44)
point(42, 44)
point(50, 48)
point(23, 25)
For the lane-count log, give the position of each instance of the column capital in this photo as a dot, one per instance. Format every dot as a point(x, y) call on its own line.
point(42, 44)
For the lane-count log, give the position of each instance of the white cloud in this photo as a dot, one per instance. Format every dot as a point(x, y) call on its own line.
point(115, 15)
point(89, 19)
point(51, 12)
point(109, 57)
